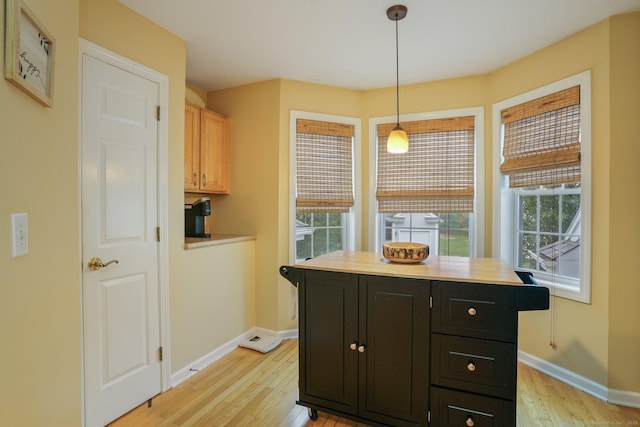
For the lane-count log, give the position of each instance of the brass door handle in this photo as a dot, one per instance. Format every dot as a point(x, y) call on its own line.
point(97, 264)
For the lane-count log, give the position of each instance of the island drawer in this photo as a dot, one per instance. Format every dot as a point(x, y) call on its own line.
point(456, 408)
point(475, 310)
point(474, 365)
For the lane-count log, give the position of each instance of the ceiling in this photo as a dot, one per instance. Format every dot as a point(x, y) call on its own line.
point(351, 43)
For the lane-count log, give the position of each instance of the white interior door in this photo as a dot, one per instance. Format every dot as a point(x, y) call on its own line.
point(119, 143)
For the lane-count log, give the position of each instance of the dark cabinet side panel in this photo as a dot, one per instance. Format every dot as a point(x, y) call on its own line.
point(328, 323)
point(394, 329)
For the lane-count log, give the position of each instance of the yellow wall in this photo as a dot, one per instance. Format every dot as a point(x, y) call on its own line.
point(40, 322)
point(251, 208)
point(211, 290)
point(39, 292)
point(588, 337)
point(581, 330)
point(624, 195)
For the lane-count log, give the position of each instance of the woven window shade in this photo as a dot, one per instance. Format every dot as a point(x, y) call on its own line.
point(542, 140)
point(324, 159)
point(435, 175)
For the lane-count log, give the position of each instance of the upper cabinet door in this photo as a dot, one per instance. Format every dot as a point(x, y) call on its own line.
point(191, 147)
point(214, 152)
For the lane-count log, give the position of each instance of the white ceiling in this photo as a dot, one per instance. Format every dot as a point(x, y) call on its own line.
point(351, 43)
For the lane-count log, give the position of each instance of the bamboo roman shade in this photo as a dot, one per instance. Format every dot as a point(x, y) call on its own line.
point(435, 175)
point(542, 140)
point(324, 164)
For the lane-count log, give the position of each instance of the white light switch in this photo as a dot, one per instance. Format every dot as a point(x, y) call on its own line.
point(19, 234)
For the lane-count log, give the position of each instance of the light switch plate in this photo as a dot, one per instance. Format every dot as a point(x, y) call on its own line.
point(19, 234)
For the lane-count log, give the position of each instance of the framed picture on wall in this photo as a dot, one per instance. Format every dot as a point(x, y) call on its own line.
point(29, 52)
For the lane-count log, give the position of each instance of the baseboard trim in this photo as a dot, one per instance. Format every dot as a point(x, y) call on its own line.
point(566, 376)
point(193, 368)
point(624, 398)
point(617, 397)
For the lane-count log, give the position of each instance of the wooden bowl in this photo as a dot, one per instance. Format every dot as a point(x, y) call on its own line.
point(405, 252)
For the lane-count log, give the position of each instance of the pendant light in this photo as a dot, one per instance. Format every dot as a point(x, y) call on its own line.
point(397, 141)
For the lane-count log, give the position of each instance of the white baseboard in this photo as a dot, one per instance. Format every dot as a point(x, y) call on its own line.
point(193, 368)
point(599, 391)
point(624, 398)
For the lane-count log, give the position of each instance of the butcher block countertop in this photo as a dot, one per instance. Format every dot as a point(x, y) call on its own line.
point(450, 268)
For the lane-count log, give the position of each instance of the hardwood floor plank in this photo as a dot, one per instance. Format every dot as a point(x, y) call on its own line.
point(247, 388)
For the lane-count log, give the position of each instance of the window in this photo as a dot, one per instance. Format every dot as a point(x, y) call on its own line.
point(429, 194)
point(543, 185)
point(323, 201)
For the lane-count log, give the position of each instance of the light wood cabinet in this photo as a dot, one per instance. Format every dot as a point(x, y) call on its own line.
point(206, 151)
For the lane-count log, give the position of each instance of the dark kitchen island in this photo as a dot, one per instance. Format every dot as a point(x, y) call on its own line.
point(432, 343)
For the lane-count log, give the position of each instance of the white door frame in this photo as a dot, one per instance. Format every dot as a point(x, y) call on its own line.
point(90, 49)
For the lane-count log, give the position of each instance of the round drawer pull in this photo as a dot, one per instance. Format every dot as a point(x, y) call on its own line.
point(472, 311)
point(471, 367)
point(470, 422)
point(354, 346)
point(361, 349)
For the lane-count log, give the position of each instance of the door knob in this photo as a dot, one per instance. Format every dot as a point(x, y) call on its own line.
point(97, 264)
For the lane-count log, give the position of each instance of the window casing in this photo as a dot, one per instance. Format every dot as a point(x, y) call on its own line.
point(451, 231)
point(545, 228)
point(328, 224)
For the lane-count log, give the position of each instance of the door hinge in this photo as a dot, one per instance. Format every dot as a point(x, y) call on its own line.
point(158, 113)
point(160, 353)
point(157, 234)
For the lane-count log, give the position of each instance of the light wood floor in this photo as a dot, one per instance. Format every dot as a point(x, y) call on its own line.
point(247, 388)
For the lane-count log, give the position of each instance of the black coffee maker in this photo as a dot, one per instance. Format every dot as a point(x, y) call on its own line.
point(194, 214)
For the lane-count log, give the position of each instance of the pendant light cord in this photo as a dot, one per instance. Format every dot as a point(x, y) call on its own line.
point(397, 77)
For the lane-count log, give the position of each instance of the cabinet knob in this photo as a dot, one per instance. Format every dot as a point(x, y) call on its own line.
point(471, 367)
point(354, 346)
point(361, 349)
point(470, 422)
point(472, 311)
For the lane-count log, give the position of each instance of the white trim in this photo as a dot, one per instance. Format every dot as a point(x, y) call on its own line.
point(617, 397)
point(479, 202)
point(197, 365)
point(93, 50)
point(624, 398)
point(566, 376)
point(503, 197)
point(353, 225)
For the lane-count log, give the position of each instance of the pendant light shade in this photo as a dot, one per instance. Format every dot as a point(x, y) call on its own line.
point(397, 141)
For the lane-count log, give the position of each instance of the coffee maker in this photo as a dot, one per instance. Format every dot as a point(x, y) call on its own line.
point(194, 214)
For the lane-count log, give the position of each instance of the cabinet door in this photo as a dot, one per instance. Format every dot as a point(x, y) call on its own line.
point(328, 326)
point(214, 152)
point(394, 328)
point(191, 147)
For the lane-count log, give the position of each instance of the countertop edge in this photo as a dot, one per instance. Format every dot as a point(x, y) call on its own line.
point(215, 240)
point(459, 269)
